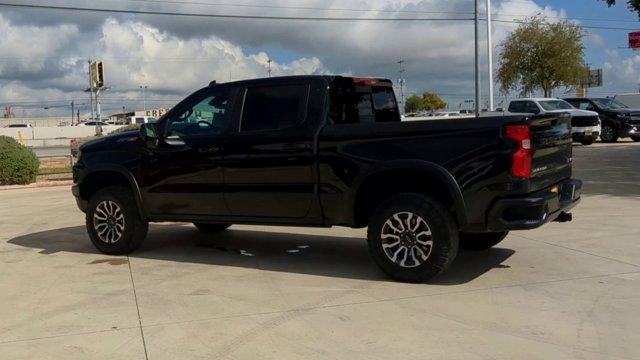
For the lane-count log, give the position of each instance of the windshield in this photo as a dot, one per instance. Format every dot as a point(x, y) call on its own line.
point(610, 104)
point(550, 105)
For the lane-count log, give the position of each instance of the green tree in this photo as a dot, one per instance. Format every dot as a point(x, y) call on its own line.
point(432, 102)
point(540, 55)
point(413, 104)
point(634, 5)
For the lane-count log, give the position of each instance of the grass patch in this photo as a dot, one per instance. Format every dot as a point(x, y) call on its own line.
point(54, 170)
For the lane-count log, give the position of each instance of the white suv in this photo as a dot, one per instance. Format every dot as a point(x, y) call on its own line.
point(585, 125)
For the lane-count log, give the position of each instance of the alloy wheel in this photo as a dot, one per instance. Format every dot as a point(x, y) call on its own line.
point(108, 221)
point(406, 239)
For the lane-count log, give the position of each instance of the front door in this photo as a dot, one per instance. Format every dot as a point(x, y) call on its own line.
point(183, 175)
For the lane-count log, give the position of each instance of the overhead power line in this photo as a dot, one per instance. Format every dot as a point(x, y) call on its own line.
point(226, 16)
point(283, 7)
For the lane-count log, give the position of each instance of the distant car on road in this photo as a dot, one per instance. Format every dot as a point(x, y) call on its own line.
point(585, 125)
point(19, 126)
point(618, 120)
point(93, 123)
point(140, 119)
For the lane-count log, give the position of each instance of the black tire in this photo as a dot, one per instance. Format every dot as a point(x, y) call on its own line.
point(587, 142)
point(204, 227)
point(609, 134)
point(133, 230)
point(443, 238)
point(636, 139)
point(481, 241)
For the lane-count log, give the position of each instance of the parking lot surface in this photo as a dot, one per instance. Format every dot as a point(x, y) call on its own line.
point(565, 291)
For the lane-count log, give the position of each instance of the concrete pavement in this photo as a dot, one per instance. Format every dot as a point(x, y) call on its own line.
point(565, 291)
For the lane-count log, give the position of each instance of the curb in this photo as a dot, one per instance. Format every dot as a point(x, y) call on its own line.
point(38, 185)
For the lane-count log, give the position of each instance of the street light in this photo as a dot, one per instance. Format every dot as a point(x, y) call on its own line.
point(144, 100)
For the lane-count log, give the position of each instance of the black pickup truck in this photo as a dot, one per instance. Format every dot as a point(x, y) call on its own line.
point(329, 150)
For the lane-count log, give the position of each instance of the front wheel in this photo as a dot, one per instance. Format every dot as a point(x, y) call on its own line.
point(114, 223)
point(587, 142)
point(636, 138)
point(481, 241)
point(609, 134)
point(412, 237)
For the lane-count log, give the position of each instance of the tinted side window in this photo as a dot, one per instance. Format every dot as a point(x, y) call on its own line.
point(207, 113)
point(585, 105)
point(384, 103)
point(274, 107)
point(517, 106)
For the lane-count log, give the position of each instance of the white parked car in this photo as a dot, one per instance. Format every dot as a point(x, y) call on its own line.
point(140, 119)
point(585, 125)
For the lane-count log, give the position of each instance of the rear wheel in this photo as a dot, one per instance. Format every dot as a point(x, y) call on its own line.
point(412, 237)
point(114, 223)
point(204, 227)
point(636, 138)
point(609, 134)
point(481, 241)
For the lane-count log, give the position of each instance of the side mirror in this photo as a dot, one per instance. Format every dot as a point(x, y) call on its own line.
point(148, 132)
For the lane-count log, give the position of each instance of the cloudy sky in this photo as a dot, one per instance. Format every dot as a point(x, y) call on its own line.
point(43, 62)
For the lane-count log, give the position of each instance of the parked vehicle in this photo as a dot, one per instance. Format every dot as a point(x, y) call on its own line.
point(632, 101)
point(140, 119)
point(324, 151)
point(19, 126)
point(93, 123)
point(585, 125)
point(618, 120)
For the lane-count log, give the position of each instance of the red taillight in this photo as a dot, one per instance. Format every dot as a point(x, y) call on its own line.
point(522, 157)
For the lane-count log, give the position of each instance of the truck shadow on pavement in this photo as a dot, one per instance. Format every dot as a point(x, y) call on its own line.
point(333, 256)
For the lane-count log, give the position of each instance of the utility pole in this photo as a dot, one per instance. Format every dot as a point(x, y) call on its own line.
point(477, 56)
point(144, 98)
point(269, 65)
point(401, 81)
point(490, 55)
point(91, 91)
point(72, 112)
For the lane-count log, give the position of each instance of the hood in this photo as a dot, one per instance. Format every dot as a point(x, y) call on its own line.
point(575, 112)
point(111, 142)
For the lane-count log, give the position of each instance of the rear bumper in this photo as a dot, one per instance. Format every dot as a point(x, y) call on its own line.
point(534, 210)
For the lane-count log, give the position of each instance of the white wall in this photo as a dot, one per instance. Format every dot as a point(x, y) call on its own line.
point(46, 133)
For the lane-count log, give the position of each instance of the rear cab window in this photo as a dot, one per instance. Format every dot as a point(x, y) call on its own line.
point(360, 101)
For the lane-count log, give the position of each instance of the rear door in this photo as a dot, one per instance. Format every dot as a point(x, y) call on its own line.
point(270, 161)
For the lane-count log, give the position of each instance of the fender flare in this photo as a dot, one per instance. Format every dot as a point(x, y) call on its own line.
point(439, 172)
point(133, 183)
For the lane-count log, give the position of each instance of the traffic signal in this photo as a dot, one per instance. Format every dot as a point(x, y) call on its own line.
point(97, 74)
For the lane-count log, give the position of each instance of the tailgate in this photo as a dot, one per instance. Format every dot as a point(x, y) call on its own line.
point(552, 150)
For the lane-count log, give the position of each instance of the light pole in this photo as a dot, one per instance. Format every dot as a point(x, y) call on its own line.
point(477, 56)
point(401, 81)
point(490, 55)
point(269, 65)
point(144, 99)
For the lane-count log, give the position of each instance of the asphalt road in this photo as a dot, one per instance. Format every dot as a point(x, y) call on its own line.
point(565, 291)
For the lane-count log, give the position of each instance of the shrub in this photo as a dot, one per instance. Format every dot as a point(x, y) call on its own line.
point(125, 128)
point(18, 164)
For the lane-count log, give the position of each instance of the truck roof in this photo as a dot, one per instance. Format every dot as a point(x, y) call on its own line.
point(328, 78)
